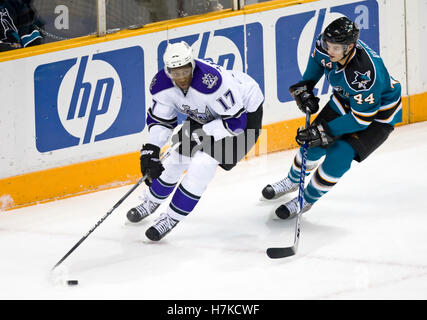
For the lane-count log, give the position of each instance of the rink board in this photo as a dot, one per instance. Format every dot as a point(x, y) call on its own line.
point(74, 111)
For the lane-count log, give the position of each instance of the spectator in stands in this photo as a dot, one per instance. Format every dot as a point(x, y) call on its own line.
point(192, 7)
point(17, 25)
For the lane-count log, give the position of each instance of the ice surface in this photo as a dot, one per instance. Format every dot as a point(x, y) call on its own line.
point(365, 239)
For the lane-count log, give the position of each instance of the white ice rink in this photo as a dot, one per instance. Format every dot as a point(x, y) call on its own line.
point(366, 239)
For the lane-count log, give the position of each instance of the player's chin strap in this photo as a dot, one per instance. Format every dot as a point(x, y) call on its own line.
point(348, 55)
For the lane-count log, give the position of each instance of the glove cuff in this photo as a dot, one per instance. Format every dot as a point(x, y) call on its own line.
point(325, 127)
point(310, 84)
point(151, 147)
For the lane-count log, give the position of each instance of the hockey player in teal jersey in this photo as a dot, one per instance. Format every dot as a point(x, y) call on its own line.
point(364, 106)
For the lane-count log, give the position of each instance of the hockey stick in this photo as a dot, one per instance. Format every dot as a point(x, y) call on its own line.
point(275, 253)
point(167, 153)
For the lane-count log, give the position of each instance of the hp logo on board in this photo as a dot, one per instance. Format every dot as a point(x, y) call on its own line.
point(237, 48)
point(90, 98)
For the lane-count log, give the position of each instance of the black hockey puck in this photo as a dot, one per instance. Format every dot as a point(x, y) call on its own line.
point(72, 282)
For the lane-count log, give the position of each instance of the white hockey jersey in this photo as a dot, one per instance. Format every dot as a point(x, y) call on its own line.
point(217, 98)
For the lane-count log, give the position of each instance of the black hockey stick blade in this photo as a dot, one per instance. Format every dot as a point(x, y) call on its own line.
point(276, 253)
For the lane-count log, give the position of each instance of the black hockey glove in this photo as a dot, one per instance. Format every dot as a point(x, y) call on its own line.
point(315, 135)
point(304, 97)
point(150, 162)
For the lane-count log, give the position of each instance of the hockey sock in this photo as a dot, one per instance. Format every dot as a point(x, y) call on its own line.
point(337, 162)
point(183, 202)
point(200, 172)
point(160, 190)
point(313, 155)
point(162, 187)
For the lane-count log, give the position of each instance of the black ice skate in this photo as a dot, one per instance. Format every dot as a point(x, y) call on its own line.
point(290, 209)
point(278, 189)
point(143, 210)
point(162, 226)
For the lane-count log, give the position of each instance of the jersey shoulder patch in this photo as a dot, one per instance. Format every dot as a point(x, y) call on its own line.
point(360, 73)
point(206, 78)
point(160, 82)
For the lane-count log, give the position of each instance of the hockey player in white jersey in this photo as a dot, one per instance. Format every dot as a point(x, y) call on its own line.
point(224, 118)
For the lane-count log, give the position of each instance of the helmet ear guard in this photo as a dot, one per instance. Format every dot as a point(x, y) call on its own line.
point(178, 55)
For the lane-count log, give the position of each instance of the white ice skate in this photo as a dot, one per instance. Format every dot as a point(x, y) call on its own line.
point(290, 209)
point(162, 226)
point(143, 210)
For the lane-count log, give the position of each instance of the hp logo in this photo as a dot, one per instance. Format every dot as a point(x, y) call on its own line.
point(227, 47)
point(88, 99)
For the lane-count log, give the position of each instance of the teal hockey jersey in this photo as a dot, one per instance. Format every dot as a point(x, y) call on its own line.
point(363, 91)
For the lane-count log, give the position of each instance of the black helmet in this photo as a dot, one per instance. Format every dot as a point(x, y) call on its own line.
point(342, 31)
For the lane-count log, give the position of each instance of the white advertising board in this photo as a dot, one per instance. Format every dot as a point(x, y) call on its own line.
point(89, 102)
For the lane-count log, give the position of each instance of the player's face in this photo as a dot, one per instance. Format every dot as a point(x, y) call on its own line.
point(335, 51)
point(182, 76)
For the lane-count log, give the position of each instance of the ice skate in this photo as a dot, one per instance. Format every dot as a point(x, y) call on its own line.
point(162, 226)
point(143, 210)
point(290, 209)
point(278, 189)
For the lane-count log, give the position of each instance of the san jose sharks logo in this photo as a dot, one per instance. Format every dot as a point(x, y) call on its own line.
point(209, 80)
point(201, 117)
point(362, 79)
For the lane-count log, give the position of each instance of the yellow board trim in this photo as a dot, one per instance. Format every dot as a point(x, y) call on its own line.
point(91, 176)
point(148, 28)
point(59, 183)
point(418, 107)
point(82, 178)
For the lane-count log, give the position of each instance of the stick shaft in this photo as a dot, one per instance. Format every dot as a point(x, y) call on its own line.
point(283, 252)
point(100, 221)
point(301, 183)
point(165, 156)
